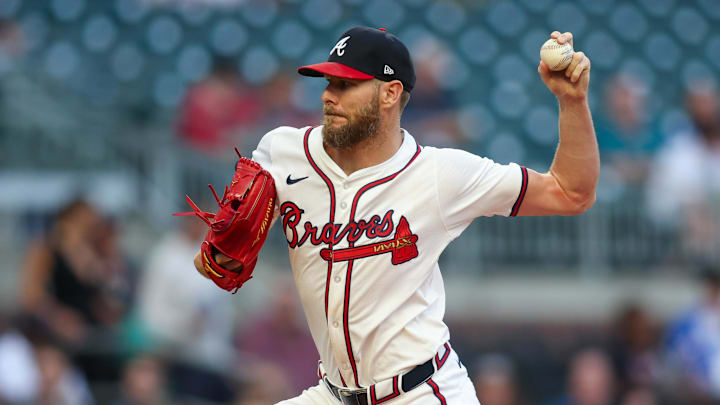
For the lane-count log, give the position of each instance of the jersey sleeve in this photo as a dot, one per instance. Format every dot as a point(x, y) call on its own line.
point(470, 186)
point(262, 154)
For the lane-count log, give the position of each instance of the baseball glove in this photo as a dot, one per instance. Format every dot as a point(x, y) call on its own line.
point(239, 228)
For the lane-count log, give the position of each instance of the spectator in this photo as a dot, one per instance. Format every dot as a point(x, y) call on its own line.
point(60, 285)
point(635, 348)
point(495, 381)
point(275, 101)
point(266, 384)
point(12, 43)
point(119, 279)
point(276, 98)
point(218, 111)
point(280, 337)
point(70, 288)
point(19, 374)
point(693, 346)
point(590, 380)
point(684, 186)
point(61, 383)
point(640, 396)
point(432, 113)
point(627, 134)
point(188, 319)
point(143, 382)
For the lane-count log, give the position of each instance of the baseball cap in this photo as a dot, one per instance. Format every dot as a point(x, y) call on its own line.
point(366, 53)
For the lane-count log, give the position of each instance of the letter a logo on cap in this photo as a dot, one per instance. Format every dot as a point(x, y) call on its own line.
point(388, 70)
point(339, 48)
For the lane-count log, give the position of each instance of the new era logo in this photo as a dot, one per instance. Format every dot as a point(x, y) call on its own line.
point(388, 70)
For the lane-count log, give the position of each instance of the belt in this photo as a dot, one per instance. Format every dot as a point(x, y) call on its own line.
point(408, 381)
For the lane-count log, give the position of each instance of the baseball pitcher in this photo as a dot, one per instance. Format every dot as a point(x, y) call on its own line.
point(367, 211)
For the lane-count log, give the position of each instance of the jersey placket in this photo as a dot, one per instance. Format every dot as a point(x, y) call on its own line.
point(348, 202)
point(337, 294)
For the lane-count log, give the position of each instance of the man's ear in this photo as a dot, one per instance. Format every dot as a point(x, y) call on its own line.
point(390, 93)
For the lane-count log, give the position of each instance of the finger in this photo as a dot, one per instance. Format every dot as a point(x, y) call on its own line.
point(233, 266)
point(568, 37)
point(555, 34)
point(226, 262)
point(544, 71)
point(197, 261)
point(579, 69)
point(576, 59)
point(222, 259)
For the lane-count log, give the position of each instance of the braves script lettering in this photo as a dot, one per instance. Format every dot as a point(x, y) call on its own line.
point(332, 234)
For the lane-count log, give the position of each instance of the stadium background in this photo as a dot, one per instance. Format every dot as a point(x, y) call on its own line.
point(100, 99)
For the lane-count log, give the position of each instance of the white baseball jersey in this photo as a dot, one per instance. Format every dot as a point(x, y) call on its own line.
point(364, 247)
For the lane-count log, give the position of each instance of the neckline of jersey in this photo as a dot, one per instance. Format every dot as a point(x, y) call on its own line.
point(398, 160)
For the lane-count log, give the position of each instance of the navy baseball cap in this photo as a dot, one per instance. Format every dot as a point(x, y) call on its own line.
point(366, 53)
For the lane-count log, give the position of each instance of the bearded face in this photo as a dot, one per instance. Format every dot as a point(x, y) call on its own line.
point(358, 125)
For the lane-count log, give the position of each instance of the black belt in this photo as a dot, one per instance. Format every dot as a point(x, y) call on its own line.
point(410, 380)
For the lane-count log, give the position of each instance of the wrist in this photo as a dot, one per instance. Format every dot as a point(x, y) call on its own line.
point(573, 101)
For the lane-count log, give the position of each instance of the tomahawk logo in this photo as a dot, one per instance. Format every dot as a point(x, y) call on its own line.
point(339, 48)
point(402, 247)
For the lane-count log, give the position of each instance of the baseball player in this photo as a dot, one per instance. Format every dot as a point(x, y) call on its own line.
point(367, 211)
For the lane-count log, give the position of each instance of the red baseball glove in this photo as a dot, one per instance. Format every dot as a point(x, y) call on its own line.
point(239, 228)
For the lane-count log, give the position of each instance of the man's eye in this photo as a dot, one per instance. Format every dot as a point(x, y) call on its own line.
point(340, 84)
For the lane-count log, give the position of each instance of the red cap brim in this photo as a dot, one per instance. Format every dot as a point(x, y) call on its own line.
point(333, 69)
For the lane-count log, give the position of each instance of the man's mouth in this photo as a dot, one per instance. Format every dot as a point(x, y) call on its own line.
point(331, 114)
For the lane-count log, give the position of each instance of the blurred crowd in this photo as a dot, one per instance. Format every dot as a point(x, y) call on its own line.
point(93, 327)
point(633, 360)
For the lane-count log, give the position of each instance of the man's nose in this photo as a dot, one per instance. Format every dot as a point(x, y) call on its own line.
point(328, 97)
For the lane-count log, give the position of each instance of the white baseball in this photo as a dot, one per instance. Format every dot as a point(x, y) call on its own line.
point(556, 56)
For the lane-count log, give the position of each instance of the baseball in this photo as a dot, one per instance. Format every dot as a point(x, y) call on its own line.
point(556, 56)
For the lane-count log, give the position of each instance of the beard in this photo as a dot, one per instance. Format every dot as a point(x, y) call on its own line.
point(359, 126)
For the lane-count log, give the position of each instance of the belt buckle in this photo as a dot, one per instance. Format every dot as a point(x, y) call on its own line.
point(341, 392)
point(353, 397)
point(348, 392)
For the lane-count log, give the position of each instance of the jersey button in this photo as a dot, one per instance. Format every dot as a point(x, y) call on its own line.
point(343, 205)
point(346, 366)
point(336, 324)
point(345, 186)
point(337, 279)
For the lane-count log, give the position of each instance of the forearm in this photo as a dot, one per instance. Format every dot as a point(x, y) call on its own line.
point(576, 165)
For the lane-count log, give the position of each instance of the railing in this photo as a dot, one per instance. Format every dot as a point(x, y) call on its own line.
point(611, 237)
